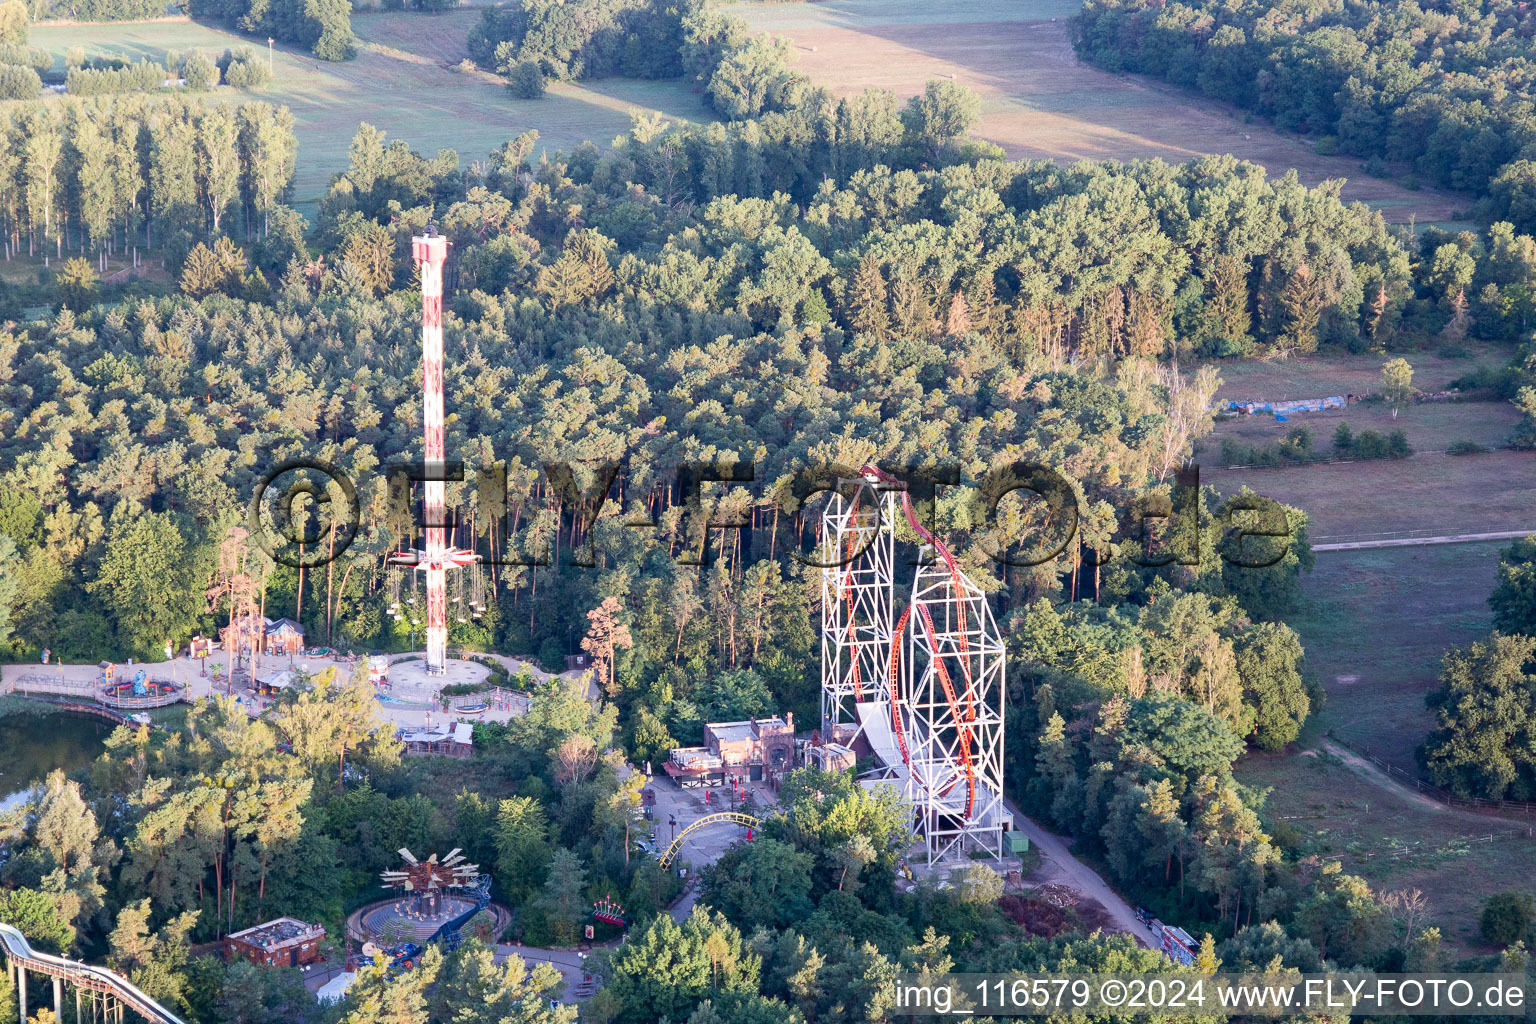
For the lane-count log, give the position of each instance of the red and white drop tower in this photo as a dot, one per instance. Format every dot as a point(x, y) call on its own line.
point(431, 252)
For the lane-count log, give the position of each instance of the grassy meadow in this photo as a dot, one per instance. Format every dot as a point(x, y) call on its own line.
point(1040, 102)
point(403, 81)
point(1392, 839)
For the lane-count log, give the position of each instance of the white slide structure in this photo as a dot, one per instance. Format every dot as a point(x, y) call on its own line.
point(875, 724)
point(874, 719)
point(21, 957)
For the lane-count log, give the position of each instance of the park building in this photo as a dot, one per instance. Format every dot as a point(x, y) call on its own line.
point(269, 684)
point(446, 739)
point(284, 942)
point(757, 749)
point(829, 756)
point(278, 636)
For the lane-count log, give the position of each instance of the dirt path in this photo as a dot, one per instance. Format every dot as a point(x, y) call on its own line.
point(1080, 876)
point(1413, 542)
point(1379, 778)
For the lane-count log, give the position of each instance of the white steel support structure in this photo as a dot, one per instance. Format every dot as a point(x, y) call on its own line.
point(951, 709)
point(925, 694)
point(857, 554)
point(435, 558)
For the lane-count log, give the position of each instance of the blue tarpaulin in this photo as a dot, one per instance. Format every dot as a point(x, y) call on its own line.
point(1281, 409)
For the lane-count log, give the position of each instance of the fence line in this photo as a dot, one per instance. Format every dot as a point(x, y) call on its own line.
point(1444, 796)
point(1289, 464)
point(44, 682)
point(1433, 531)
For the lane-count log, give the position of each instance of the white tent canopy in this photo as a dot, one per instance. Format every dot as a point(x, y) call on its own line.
point(333, 990)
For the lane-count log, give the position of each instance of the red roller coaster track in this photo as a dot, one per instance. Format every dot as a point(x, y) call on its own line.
point(853, 513)
point(963, 717)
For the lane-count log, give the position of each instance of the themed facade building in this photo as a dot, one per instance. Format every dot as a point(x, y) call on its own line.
point(754, 749)
point(278, 636)
point(284, 942)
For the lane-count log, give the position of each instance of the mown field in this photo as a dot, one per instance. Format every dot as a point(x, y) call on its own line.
point(1429, 427)
point(1430, 491)
point(1394, 840)
point(1375, 626)
point(403, 81)
point(1376, 622)
point(1039, 100)
point(1337, 374)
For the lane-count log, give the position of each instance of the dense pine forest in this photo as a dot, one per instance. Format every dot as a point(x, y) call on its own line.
point(1441, 87)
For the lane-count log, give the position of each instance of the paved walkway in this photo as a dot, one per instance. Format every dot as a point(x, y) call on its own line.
point(1069, 870)
point(186, 671)
point(1411, 542)
point(572, 966)
point(682, 907)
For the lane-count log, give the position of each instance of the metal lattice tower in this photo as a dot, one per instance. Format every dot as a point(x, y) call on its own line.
point(436, 557)
point(858, 545)
point(925, 694)
point(951, 707)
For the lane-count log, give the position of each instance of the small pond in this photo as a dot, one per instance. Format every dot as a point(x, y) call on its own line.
point(31, 746)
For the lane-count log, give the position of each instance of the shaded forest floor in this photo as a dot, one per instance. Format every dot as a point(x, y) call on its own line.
point(1040, 102)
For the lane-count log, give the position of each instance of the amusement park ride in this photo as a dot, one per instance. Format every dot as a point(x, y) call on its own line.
point(609, 910)
point(431, 882)
point(427, 879)
point(924, 690)
point(436, 557)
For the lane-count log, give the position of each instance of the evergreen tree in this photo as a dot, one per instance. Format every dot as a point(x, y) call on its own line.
point(1227, 306)
point(77, 283)
point(913, 316)
point(563, 900)
point(523, 850)
point(1302, 303)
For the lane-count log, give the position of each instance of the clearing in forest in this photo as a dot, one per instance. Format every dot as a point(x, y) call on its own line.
point(1039, 101)
point(1375, 626)
point(1316, 376)
point(1376, 623)
point(1320, 805)
point(404, 81)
